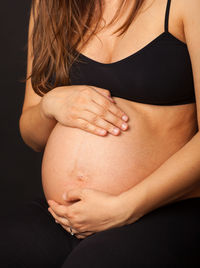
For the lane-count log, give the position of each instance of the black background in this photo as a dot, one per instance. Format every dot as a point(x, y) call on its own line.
point(20, 165)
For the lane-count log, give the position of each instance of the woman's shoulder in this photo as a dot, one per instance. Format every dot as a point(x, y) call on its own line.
point(184, 17)
point(188, 8)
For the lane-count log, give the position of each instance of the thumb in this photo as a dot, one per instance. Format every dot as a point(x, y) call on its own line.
point(73, 195)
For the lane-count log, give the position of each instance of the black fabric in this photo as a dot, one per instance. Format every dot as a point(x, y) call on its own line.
point(160, 73)
point(166, 237)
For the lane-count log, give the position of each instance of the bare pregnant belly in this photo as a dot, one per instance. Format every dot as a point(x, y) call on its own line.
point(76, 158)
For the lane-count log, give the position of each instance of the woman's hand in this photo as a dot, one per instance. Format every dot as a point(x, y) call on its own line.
point(86, 107)
point(89, 211)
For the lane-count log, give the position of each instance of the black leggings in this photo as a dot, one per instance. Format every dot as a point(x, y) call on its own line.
point(166, 237)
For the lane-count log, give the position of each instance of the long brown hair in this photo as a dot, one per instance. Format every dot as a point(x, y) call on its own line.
point(59, 27)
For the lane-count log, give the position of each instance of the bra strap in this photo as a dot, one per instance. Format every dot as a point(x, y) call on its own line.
point(167, 15)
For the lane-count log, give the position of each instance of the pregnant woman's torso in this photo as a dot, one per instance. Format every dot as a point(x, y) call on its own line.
point(76, 158)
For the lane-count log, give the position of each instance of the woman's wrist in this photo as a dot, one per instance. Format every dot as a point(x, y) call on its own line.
point(132, 202)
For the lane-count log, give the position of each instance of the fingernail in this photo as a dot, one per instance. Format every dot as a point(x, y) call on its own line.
point(124, 126)
point(116, 130)
point(102, 131)
point(125, 117)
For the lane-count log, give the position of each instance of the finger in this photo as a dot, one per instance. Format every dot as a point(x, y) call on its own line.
point(60, 220)
point(96, 122)
point(106, 104)
point(80, 235)
point(83, 235)
point(68, 229)
point(103, 118)
point(73, 195)
point(59, 210)
point(87, 126)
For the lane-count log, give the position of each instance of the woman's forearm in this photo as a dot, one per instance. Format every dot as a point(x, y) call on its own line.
point(35, 128)
point(172, 180)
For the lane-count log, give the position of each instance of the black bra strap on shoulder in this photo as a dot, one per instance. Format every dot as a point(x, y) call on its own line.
point(167, 15)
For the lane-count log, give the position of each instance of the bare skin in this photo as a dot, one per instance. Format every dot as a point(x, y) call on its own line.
point(116, 162)
point(74, 158)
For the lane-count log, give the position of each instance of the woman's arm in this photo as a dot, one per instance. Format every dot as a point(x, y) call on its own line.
point(174, 178)
point(181, 172)
point(34, 127)
point(89, 108)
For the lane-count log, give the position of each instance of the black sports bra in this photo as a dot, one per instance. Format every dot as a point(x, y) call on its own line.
point(160, 73)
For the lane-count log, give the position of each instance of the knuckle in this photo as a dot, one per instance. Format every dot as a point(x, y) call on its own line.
point(76, 226)
point(84, 124)
point(116, 121)
point(80, 123)
point(95, 118)
point(79, 227)
point(106, 104)
point(103, 113)
point(81, 100)
point(119, 113)
point(86, 90)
